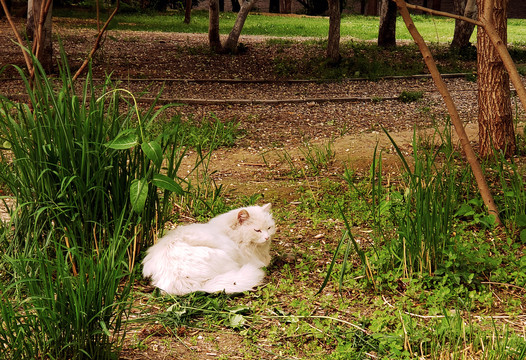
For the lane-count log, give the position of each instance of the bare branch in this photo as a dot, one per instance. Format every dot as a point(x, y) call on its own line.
point(38, 38)
point(97, 42)
point(28, 61)
point(471, 157)
point(442, 13)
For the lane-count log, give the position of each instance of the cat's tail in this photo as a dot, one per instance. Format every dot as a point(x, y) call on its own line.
point(235, 281)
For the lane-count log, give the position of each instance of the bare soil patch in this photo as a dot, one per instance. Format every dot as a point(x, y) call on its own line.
point(150, 56)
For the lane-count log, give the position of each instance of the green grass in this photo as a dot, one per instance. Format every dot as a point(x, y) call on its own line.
point(91, 180)
point(433, 29)
point(386, 309)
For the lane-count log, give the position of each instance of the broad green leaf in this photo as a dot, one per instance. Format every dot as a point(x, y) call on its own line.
point(138, 194)
point(487, 220)
point(153, 151)
point(104, 328)
point(124, 140)
point(167, 183)
point(521, 220)
point(240, 309)
point(465, 210)
point(236, 321)
point(523, 236)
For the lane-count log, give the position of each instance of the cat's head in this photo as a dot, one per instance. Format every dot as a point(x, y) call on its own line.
point(254, 224)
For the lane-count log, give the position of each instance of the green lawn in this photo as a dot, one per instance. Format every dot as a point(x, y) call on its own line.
point(433, 29)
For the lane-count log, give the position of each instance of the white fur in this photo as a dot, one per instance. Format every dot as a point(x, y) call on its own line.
point(225, 254)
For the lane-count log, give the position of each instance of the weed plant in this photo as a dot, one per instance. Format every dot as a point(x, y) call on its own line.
point(203, 197)
point(512, 197)
point(80, 160)
point(200, 309)
point(423, 214)
point(415, 218)
point(208, 133)
point(410, 96)
point(91, 185)
point(72, 306)
point(315, 158)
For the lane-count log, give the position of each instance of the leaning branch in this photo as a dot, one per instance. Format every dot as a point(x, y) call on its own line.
point(455, 117)
point(29, 64)
point(97, 42)
point(495, 39)
point(442, 13)
point(38, 41)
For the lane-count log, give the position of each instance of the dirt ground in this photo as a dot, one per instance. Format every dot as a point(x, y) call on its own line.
point(274, 115)
point(273, 112)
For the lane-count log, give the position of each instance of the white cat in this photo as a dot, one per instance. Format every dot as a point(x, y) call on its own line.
point(225, 254)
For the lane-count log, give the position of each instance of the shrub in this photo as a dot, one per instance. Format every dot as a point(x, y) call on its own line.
point(80, 161)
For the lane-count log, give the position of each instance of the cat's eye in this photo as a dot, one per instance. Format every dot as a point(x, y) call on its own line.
point(257, 230)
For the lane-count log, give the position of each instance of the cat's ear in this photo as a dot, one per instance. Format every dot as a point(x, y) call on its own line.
point(267, 207)
point(242, 216)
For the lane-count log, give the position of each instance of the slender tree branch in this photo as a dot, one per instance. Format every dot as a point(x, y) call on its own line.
point(486, 23)
point(442, 13)
point(38, 38)
point(29, 64)
point(98, 14)
point(97, 42)
point(455, 117)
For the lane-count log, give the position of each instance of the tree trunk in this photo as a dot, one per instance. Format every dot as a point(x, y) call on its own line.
point(235, 6)
point(30, 21)
point(187, 11)
point(387, 30)
point(333, 44)
point(213, 28)
point(471, 157)
point(495, 114)
point(233, 37)
point(42, 41)
point(463, 30)
point(273, 6)
point(436, 4)
point(372, 8)
point(285, 6)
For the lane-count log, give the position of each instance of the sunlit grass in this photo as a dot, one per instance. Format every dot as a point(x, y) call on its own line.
point(433, 29)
